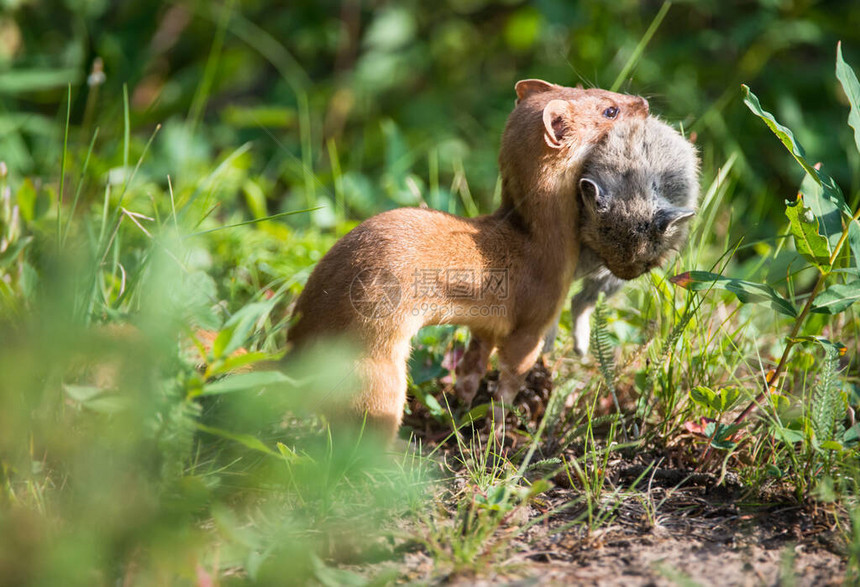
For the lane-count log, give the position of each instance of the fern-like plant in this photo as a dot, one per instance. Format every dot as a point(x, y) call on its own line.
point(602, 349)
point(827, 404)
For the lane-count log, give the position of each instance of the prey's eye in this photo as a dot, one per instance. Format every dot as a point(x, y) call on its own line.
point(611, 112)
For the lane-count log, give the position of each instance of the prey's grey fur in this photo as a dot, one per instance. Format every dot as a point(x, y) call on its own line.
point(637, 193)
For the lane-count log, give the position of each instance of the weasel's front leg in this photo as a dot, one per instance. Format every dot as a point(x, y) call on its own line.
point(551, 335)
point(517, 354)
point(472, 366)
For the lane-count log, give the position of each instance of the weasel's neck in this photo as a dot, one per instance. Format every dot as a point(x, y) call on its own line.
point(545, 207)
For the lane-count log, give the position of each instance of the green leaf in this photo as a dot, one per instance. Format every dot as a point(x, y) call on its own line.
point(837, 298)
point(291, 457)
point(425, 365)
point(831, 191)
point(332, 577)
point(826, 211)
point(26, 198)
point(804, 226)
point(727, 398)
point(108, 404)
point(476, 413)
point(831, 445)
point(746, 291)
point(36, 80)
point(854, 244)
point(722, 439)
point(11, 253)
point(430, 402)
point(96, 399)
point(703, 396)
point(238, 328)
point(783, 133)
point(234, 362)
point(827, 404)
point(538, 486)
point(851, 86)
point(779, 401)
point(82, 393)
point(788, 435)
point(832, 348)
point(246, 381)
point(852, 435)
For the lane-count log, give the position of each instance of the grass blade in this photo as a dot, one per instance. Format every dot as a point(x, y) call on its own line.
point(640, 47)
point(126, 137)
point(63, 163)
point(80, 186)
point(254, 221)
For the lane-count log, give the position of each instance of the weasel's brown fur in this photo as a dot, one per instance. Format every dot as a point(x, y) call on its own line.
point(504, 275)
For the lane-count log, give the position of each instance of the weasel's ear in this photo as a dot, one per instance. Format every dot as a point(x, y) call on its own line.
point(555, 122)
point(672, 218)
point(527, 87)
point(591, 193)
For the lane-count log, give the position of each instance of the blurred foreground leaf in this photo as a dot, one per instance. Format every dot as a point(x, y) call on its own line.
point(246, 381)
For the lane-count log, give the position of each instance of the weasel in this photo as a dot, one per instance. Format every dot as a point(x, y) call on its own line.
point(639, 188)
point(504, 275)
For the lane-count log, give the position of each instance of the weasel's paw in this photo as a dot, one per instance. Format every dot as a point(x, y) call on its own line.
point(496, 421)
point(467, 386)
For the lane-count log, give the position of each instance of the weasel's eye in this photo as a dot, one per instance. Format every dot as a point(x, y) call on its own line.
point(611, 112)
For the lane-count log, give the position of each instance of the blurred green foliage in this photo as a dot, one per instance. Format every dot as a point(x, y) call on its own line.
point(410, 93)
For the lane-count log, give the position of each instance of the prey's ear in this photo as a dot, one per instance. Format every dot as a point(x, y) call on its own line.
point(527, 87)
point(591, 194)
point(556, 122)
point(672, 218)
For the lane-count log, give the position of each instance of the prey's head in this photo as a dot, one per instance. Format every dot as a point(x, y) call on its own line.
point(632, 235)
point(637, 193)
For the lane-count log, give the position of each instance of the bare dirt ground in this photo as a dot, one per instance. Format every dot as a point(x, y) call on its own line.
point(691, 538)
point(662, 536)
point(667, 525)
